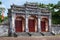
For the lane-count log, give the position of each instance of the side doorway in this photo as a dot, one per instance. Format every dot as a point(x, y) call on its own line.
point(19, 21)
point(44, 25)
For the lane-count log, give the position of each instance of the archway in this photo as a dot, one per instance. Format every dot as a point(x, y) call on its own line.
point(19, 24)
point(32, 24)
point(44, 25)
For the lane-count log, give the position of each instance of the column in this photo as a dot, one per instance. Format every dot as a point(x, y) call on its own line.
point(13, 23)
point(10, 26)
point(39, 24)
point(50, 29)
point(27, 30)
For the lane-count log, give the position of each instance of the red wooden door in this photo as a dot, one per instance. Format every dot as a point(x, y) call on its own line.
point(43, 26)
point(18, 25)
point(31, 25)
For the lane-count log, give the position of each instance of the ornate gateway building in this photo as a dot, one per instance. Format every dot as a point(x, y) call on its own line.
point(29, 19)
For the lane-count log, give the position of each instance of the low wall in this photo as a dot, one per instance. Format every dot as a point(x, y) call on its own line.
point(3, 30)
point(56, 29)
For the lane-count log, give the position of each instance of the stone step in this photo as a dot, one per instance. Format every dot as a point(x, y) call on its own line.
point(47, 33)
point(29, 34)
point(35, 33)
point(22, 34)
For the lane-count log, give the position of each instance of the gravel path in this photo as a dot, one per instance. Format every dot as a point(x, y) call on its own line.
point(32, 38)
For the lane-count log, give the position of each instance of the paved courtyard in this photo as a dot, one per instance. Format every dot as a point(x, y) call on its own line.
point(31, 38)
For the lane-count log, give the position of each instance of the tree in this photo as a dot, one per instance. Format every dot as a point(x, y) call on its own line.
point(5, 18)
point(0, 2)
point(53, 8)
point(58, 4)
point(56, 14)
point(42, 5)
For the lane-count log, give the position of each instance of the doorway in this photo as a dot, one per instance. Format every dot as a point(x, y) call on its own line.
point(19, 24)
point(44, 25)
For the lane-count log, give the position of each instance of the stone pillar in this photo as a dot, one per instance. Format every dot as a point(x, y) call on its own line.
point(13, 24)
point(39, 24)
point(50, 29)
point(10, 26)
point(27, 30)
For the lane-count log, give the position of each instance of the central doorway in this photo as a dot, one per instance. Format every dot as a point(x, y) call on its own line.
point(32, 23)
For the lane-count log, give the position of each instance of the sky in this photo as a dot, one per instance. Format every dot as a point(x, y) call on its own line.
point(7, 3)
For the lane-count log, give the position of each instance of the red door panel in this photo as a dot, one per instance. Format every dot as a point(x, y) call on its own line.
point(31, 25)
point(18, 25)
point(43, 26)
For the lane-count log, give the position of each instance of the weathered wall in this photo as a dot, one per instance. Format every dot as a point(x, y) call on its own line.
point(3, 30)
point(56, 29)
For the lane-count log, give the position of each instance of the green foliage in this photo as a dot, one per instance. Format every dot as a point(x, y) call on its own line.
point(5, 18)
point(56, 17)
point(42, 5)
point(0, 19)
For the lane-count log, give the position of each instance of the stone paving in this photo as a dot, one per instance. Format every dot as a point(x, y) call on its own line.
point(31, 38)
